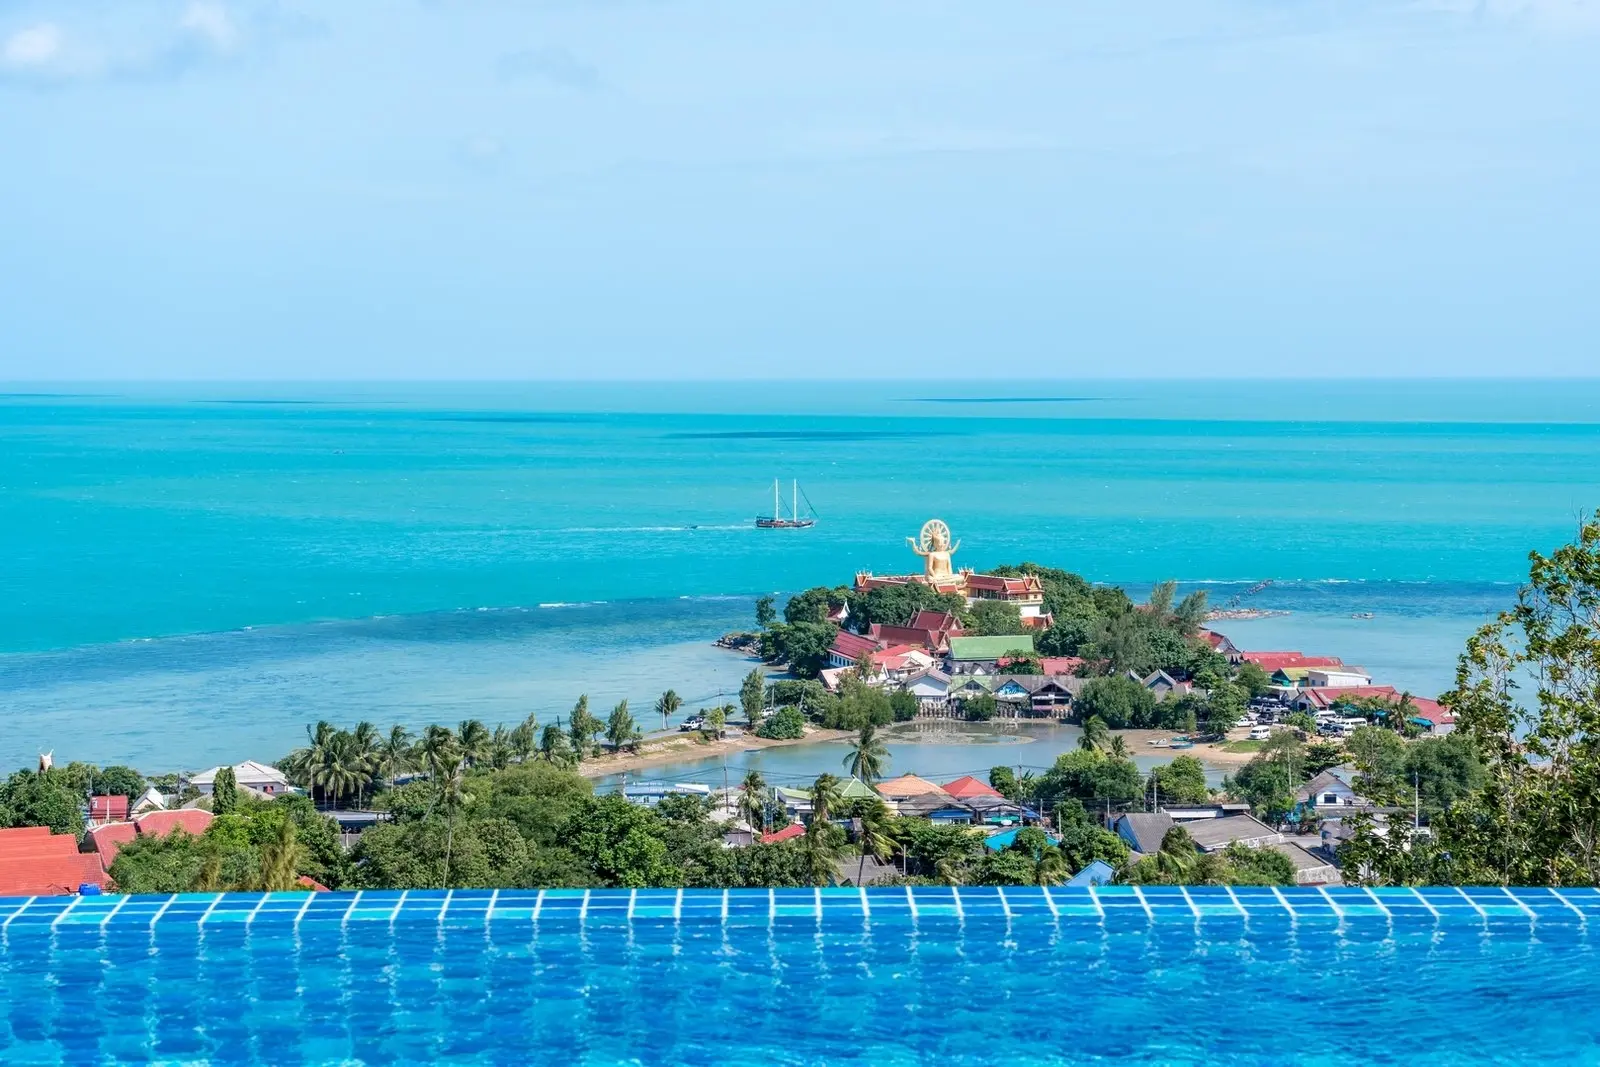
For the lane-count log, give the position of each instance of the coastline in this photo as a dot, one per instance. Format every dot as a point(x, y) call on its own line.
point(685, 748)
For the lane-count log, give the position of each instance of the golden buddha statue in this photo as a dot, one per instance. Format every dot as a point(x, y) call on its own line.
point(934, 546)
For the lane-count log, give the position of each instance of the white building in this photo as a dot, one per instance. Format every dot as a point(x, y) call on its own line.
point(258, 777)
point(1337, 678)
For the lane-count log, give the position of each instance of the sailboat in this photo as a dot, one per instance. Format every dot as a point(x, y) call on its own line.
point(794, 522)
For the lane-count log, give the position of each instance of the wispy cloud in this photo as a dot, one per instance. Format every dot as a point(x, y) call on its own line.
point(554, 65)
point(205, 32)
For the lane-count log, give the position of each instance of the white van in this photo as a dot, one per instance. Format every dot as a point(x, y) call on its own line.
point(1260, 733)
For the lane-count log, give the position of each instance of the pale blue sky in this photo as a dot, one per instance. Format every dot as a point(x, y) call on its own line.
point(606, 188)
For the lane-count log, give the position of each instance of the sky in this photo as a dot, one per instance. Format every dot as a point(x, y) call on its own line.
point(658, 189)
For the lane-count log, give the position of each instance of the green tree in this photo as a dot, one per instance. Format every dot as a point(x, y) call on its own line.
point(1004, 780)
point(621, 843)
point(1095, 736)
point(1118, 747)
point(118, 781)
point(814, 605)
point(1118, 701)
point(524, 739)
point(620, 729)
point(804, 646)
point(1182, 781)
point(224, 792)
point(903, 704)
point(751, 693)
point(868, 756)
point(554, 748)
point(980, 708)
point(766, 613)
point(785, 724)
point(41, 798)
point(873, 837)
point(280, 860)
point(1253, 679)
point(474, 740)
point(716, 720)
point(1380, 756)
point(395, 757)
point(1441, 772)
point(994, 618)
point(753, 801)
point(582, 727)
point(668, 703)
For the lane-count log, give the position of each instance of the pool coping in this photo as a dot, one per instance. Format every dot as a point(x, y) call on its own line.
point(1108, 905)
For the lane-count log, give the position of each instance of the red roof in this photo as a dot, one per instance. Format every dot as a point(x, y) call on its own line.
point(311, 884)
point(1273, 661)
point(853, 646)
point(109, 839)
point(968, 786)
point(936, 620)
point(161, 823)
point(1328, 696)
point(37, 863)
point(1060, 664)
point(788, 833)
point(108, 809)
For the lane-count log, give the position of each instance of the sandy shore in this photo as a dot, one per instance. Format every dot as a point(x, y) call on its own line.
point(682, 747)
point(1139, 745)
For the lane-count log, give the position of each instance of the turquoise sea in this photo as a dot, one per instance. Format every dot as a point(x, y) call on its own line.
point(190, 573)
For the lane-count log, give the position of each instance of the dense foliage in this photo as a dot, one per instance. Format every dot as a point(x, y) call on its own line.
point(1530, 814)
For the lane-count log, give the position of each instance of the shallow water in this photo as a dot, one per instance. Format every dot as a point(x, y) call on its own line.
point(190, 575)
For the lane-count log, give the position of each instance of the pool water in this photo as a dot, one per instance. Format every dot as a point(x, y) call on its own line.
point(883, 977)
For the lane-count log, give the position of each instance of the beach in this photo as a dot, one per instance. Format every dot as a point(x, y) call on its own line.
point(667, 750)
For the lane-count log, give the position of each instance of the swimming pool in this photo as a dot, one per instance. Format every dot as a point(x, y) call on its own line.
point(885, 976)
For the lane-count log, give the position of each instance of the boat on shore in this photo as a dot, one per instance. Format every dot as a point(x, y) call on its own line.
point(795, 521)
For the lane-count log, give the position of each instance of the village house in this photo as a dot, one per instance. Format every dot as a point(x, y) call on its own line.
point(257, 777)
point(848, 649)
point(1162, 684)
point(1337, 677)
point(1333, 788)
point(982, 655)
point(107, 839)
point(34, 862)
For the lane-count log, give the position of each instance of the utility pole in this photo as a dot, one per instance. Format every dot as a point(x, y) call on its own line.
point(1416, 802)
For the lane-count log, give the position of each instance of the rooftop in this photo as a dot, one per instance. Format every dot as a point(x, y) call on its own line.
point(988, 648)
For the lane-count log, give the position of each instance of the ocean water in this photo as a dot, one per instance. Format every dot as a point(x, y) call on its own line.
point(1205, 975)
point(248, 559)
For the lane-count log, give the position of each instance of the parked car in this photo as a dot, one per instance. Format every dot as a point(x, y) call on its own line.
point(693, 722)
point(1243, 721)
point(1260, 733)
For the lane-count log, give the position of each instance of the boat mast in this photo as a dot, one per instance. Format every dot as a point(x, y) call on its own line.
point(794, 506)
point(775, 511)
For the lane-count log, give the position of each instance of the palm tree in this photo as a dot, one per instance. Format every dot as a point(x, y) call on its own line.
point(1177, 856)
point(364, 744)
point(553, 747)
point(620, 730)
point(1095, 734)
point(475, 741)
point(867, 756)
point(873, 837)
point(394, 755)
point(753, 801)
point(302, 762)
point(1118, 746)
point(825, 799)
point(667, 706)
point(501, 750)
point(280, 859)
point(437, 748)
point(452, 797)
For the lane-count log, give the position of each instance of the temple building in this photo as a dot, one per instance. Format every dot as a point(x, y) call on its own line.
point(935, 548)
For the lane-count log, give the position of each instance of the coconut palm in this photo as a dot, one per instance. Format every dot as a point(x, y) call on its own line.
point(825, 799)
point(476, 741)
point(452, 797)
point(873, 837)
point(1177, 856)
point(1095, 734)
point(753, 801)
point(553, 747)
point(501, 750)
point(395, 756)
point(437, 748)
point(365, 741)
point(667, 706)
point(867, 757)
point(1118, 746)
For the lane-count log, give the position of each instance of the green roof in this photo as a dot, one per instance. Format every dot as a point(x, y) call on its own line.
point(855, 787)
point(983, 648)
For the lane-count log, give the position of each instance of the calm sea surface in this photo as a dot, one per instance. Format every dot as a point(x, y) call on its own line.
point(189, 574)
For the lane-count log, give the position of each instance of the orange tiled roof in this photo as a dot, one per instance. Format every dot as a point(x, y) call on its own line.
point(37, 863)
